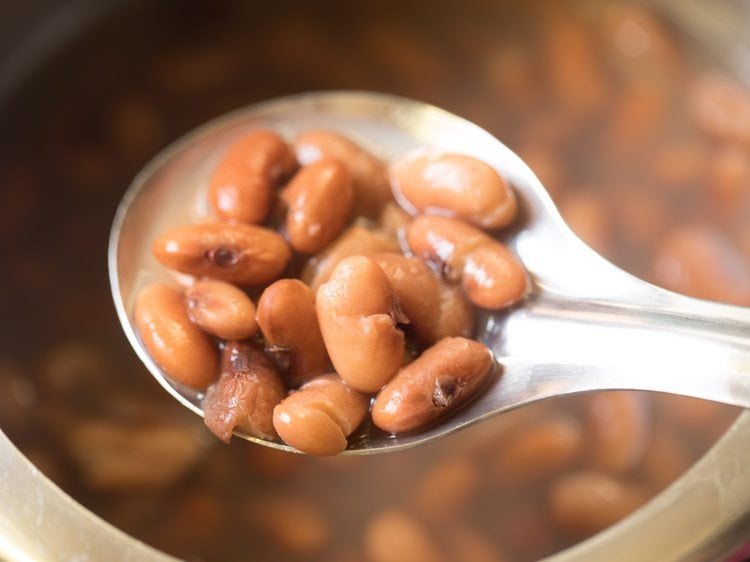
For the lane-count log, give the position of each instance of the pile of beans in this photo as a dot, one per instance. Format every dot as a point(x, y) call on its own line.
point(382, 308)
point(632, 127)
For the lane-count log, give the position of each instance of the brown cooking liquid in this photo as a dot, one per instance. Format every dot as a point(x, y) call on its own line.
point(611, 107)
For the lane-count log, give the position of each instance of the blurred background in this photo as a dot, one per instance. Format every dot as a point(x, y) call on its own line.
point(635, 117)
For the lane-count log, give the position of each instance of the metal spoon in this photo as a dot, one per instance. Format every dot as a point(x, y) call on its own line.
point(585, 326)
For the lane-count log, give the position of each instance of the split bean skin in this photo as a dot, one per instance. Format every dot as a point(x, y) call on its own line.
point(433, 182)
point(221, 309)
point(242, 254)
point(439, 381)
point(491, 276)
point(370, 176)
point(182, 350)
point(243, 186)
point(318, 418)
point(289, 322)
point(358, 312)
point(245, 395)
point(356, 240)
point(320, 199)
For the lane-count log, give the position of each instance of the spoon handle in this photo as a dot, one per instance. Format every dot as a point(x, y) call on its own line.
point(674, 344)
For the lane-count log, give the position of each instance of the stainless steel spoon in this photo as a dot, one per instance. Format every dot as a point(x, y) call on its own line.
point(585, 326)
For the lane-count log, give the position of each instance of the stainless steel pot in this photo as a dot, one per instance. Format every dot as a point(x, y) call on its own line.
point(703, 516)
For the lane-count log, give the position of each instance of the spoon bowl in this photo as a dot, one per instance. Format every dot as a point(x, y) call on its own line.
point(585, 325)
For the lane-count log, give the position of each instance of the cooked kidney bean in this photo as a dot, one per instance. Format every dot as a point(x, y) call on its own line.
point(356, 240)
point(416, 287)
point(318, 418)
point(358, 312)
point(439, 381)
point(320, 201)
point(221, 309)
point(242, 254)
point(182, 350)
point(586, 502)
point(491, 276)
point(243, 186)
point(394, 536)
point(433, 182)
point(543, 448)
point(245, 395)
point(370, 176)
point(446, 489)
point(455, 314)
point(618, 430)
point(289, 322)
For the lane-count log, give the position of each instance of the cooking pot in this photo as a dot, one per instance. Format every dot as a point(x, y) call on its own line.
point(705, 515)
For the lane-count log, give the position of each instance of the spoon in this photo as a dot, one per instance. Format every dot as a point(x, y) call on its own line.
point(586, 325)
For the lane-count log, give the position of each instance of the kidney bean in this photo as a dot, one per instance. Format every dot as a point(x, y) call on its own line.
point(243, 186)
point(574, 69)
point(356, 240)
point(433, 182)
point(467, 545)
point(245, 395)
point(221, 309)
point(540, 450)
point(586, 502)
point(318, 418)
point(490, 275)
point(289, 322)
point(295, 524)
point(416, 287)
point(618, 426)
point(393, 220)
point(369, 174)
point(182, 350)
point(720, 106)
point(439, 381)
point(320, 201)
point(358, 312)
point(446, 489)
point(666, 457)
point(241, 254)
point(699, 261)
point(395, 536)
point(455, 314)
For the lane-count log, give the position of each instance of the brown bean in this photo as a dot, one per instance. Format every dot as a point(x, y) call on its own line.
point(369, 174)
point(587, 502)
point(320, 201)
point(293, 523)
point(665, 459)
point(318, 418)
point(540, 450)
point(358, 311)
point(446, 489)
point(221, 309)
point(699, 261)
point(393, 220)
point(241, 254)
point(182, 350)
point(720, 106)
point(618, 429)
point(466, 545)
point(289, 322)
point(455, 314)
point(729, 177)
point(416, 287)
point(490, 275)
point(354, 241)
point(243, 187)
point(575, 71)
point(245, 395)
point(395, 536)
point(432, 182)
point(444, 377)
